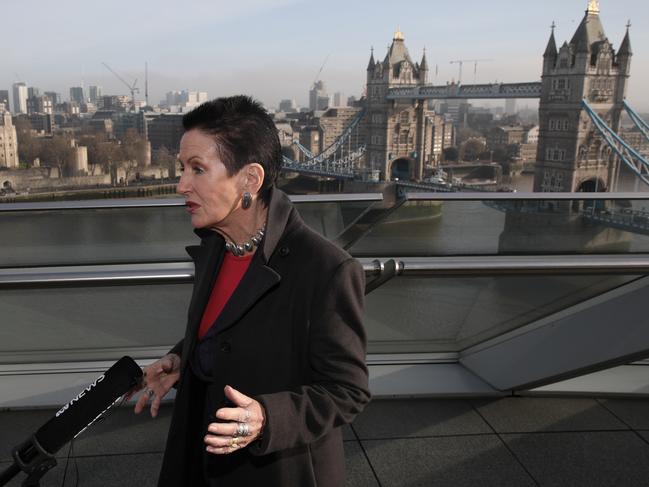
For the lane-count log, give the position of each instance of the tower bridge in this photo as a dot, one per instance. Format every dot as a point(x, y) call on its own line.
point(581, 98)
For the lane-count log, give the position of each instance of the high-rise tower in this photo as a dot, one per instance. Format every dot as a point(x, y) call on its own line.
point(571, 155)
point(20, 98)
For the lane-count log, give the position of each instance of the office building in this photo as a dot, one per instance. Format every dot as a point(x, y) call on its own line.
point(94, 94)
point(114, 102)
point(165, 130)
point(510, 106)
point(288, 106)
point(180, 101)
point(508, 135)
point(333, 123)
point(125, 121)
point(318, 97)
point(439, 134)
point(19, 98)
point(39, 104)
point(76, 94)
point(55, 97)
point(41, 122)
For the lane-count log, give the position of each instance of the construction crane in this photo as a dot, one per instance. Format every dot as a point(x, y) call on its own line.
point(146, 83)
point(132, 88)
point(320, 70)
point(475, 67)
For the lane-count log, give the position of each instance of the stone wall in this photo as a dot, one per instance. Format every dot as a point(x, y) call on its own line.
point(45, 178)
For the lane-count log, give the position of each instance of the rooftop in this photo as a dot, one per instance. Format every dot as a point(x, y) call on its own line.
point(512, 441)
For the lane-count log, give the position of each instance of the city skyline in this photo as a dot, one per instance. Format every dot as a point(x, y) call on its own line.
point(273, 50)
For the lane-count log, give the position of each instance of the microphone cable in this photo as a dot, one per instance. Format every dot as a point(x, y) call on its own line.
point(67, 461)
point(71, 455)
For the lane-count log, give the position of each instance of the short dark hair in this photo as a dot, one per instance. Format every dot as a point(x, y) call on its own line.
point(244, 133)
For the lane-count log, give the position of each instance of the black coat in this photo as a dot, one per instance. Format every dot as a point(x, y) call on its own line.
point(292, 337)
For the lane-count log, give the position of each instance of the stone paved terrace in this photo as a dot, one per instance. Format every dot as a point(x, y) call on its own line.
point(513, 441)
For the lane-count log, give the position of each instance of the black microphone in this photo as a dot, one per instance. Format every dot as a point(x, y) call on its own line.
point(36, 455)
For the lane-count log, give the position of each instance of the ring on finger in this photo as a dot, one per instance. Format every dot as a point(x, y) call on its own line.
point(149, 392)
point(234, 442)
point(243, 429)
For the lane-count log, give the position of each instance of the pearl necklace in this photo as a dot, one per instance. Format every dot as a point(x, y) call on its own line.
point(247, 246)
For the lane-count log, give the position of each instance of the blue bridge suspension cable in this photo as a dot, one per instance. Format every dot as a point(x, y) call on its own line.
point(326, 163)
point(627, 154)
point(637, 120)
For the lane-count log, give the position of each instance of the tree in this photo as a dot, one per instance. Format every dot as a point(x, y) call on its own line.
point(451, 154)
point(58, 152)
point(465, 134)
point(134, 152)
point(29, 147)
point(165, 160)
point(501, 154)
point(103, 154)
point(109, 157)
point(134, 147)
point(471, 150)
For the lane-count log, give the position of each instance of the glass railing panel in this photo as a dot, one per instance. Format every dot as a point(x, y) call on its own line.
point(405, 315)
point(94, 236)
point(122, 235)
point(449, 314)
point(439, 227)
point(330, 219)
point(59, 324)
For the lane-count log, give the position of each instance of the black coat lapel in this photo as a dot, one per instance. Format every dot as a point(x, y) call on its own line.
point(207, 260)
point(256, 282)
point(280, 211)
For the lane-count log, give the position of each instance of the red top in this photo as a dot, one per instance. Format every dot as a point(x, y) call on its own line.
point(231, 273)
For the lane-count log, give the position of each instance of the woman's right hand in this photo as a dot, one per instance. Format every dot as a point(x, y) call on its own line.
point(159, 378)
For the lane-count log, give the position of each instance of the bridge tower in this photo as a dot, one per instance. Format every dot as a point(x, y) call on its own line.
point(571, 155)
point(396, 142)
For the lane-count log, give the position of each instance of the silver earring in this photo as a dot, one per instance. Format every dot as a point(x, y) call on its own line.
point(246, 201)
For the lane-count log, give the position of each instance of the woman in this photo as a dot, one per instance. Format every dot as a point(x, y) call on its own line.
point(273, 359)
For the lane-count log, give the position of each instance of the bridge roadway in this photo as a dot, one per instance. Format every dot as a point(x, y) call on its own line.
point(467, 92)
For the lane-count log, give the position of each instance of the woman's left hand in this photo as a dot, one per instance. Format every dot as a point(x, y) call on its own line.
point(240, 426)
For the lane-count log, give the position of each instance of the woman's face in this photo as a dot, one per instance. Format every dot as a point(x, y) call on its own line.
point(210, 194)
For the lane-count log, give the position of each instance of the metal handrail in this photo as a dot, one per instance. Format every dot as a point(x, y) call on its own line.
point(479, 266)
point(99, 274)
point(170, 202)
point(526, 265)
point(328, 198)
point(428, 196)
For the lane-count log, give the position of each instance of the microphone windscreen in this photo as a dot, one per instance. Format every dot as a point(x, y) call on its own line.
point(89, 404)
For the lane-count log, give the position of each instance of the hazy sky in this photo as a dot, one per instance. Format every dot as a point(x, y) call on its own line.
point(273, 49)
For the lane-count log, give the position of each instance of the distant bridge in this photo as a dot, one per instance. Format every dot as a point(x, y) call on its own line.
point(467, 92)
